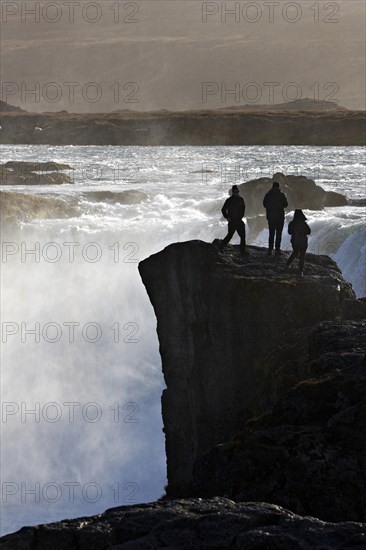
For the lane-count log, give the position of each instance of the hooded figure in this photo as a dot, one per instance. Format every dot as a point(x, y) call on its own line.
point(275, 203)
point(299, 231)
point(234, 210)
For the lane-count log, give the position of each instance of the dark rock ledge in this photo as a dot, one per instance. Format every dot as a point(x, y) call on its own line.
point(216, 523)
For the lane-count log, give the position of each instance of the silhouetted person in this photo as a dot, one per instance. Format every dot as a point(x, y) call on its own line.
point(234, 210)
point(275, 203)
point(299, 231)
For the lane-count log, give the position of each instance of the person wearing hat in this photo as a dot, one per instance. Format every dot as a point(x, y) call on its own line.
point(234, 210)
point(299, 231)
point(275, 203)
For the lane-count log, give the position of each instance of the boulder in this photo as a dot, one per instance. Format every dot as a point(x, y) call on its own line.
point(301, 192)
point(34, 173)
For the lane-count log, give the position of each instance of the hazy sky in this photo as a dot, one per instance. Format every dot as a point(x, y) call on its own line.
point(180, 54)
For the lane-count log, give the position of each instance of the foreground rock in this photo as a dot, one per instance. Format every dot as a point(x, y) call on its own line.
point(34, 173)
point(233, 335)
point(309, 453)
point(191, 523)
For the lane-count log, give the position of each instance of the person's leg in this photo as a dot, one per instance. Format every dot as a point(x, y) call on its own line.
point(231, 231)
point(272, 228)
point(302, 258)
point(279, 229)
point(292, 257)
point(241, 232)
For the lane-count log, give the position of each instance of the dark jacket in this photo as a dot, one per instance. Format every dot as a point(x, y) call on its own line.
point(234, 208)
point(275, 202)
point(299, 230)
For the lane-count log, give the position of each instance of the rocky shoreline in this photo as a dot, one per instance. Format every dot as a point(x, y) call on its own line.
point(335, 127)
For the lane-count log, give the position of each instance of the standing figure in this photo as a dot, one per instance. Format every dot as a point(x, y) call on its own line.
point(275, 203)
point(299, 231)
point(234, 210)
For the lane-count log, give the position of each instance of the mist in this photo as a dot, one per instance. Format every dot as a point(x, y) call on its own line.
point(80, 400)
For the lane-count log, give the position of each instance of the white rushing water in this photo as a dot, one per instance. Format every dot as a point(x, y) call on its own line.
point(90, 371)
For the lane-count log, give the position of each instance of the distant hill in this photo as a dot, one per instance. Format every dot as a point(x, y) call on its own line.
point(210, 127)
point(7, 108)
point(306, 104)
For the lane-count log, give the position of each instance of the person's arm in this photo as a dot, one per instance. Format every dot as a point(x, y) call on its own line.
point(308, 230)
point(289, 229)
point(265, 201)
point(224, 210)
point(285, 203)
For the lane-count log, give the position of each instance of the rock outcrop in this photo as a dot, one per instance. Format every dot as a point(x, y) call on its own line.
point(34, 173)
point(216, 523)
point(20, 207)
point(309, 453)
point(16, 208)
point(301, 192)
point(233, 338)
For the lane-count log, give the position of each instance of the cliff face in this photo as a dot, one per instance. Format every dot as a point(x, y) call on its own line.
point(309, 453)
point(233, 338)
